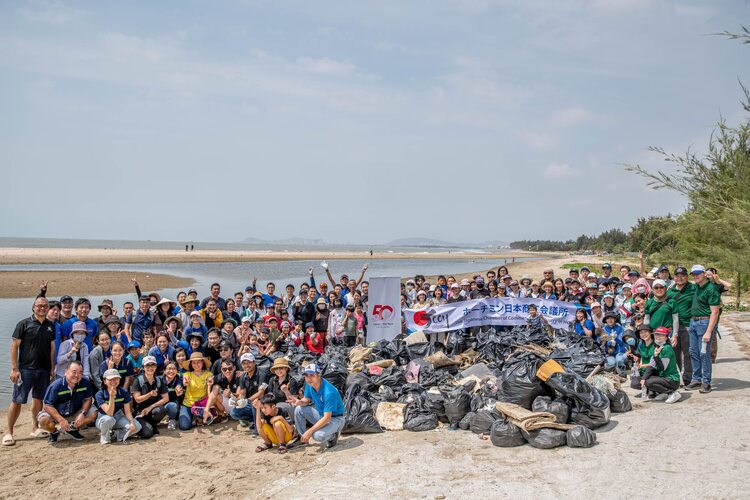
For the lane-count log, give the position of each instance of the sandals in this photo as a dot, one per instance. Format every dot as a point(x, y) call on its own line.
point(8, 440)
point(263, 447)
point(283, 449)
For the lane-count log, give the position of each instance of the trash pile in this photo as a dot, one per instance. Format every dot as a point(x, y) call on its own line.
point(526, 385)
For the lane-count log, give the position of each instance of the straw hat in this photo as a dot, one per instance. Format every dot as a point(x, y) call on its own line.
point(280, 363)
point(166, 301)
point(189, 299)
point(196, 356)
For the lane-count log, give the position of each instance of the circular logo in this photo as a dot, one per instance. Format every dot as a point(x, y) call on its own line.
point(422, 318)
point(382, 312)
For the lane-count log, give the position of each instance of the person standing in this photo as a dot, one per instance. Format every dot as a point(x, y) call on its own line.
point(31, 361)
point(141, 321)
point(705, 316)
point(681, 295)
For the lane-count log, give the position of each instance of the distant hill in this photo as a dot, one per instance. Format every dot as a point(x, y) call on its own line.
point(431, 242)
point(285, 241)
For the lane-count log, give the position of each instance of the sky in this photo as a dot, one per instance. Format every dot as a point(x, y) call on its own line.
point(461, 120)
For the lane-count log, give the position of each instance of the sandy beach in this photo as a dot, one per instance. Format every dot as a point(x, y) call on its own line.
point(16, 284)
point(220, 462)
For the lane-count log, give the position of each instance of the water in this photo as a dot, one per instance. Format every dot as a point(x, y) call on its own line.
point(233, 277)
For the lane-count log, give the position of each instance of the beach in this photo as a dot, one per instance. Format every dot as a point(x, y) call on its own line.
point(220, 461)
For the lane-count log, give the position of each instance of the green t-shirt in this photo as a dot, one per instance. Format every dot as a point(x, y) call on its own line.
point(682, 303)
point(669, 360)
point(705, 297)
point(660, 312)
point(646, 352)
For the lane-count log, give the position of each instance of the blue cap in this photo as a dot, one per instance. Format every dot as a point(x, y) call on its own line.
point(311, 369)
point(134, 343)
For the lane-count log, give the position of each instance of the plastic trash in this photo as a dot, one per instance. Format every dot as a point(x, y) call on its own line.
point(589, 406)
point(506, 434)
point(465, 422)
point(483, 420)
point(559, 409)
point(360, 417)
point(580, 437)
point(518, 382)
point(457, 404)
point(546, 438)
point(620, 402)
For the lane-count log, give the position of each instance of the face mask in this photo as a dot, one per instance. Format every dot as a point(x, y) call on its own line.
point(321, 308)
point(659, 342)
point(631, 341)
point(641, 289)
point(79, 338)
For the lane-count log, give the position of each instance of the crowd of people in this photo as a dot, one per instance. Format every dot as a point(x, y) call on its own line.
point(192, 361)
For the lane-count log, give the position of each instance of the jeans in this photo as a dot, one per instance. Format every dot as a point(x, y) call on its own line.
point(246, 413)
point(173, 410)
point(617, 359)
point(308, 414)
point(118, 421)
point(701, 361)
point(682, 352)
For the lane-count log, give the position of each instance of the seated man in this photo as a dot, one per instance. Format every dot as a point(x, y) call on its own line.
point(67, 404)
point(115, 413)
point(274, 424)
point(226, 391)
point(321, 406)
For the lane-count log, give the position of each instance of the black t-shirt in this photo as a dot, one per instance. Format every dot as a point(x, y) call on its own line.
point(252, 383)
point(140, 384)
point(274, 387)
point(36, 343)
point(478, 294)
point(282, 412)
point(222, 381)
point(216, 367)
point(171, 386)
point(211, 352)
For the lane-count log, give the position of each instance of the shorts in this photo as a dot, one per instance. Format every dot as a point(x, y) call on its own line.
point(42, 414)
point(33, 381)
point(271, 433)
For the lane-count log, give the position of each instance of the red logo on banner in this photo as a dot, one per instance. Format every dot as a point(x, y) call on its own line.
point(382, 312)
point(422, 318)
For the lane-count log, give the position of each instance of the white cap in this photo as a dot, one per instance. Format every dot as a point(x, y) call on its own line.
point(659, 282)
point(697, 269)
point(149, 360)
point(247, 357)
point(627, 285)
point(591, 275)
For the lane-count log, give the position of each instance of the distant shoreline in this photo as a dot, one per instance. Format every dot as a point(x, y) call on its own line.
point(18, 256)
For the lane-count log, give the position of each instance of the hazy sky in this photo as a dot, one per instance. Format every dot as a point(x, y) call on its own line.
point(464, 120)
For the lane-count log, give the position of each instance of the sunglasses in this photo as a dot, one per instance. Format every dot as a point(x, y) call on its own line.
point(227, 369)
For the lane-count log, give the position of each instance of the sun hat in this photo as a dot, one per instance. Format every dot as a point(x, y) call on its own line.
point(548, 283)
point(174, 318)
point(166, 301)
point(311, 369)
point(78, 326)
point(591, 275)
point(647, 327)
point(248, 356)
point(107, 303)
point(280, 363)
point(149, 360)
point(455, 285)
point(111, 373)
point(465, 282)
point(321, 300)
point(525, 277)
point(421, 292)
point(246, 319)
point(189, 299)
point(612, 314)
point(113, 319)
point(199, 335)
point(196, 356)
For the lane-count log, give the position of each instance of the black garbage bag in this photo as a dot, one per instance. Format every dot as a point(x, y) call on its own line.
point(559, 409)
point(635, 381)
point(263, 364)
point(531, 335)
point(383, 349)
point(518, 382)
point(620, 402)
point(361, 379)
point(400, 354)
point(465, 422)
point(545, 438)
point(588, 405)
point(360, 417)
point(417, 413)
point(457, 404)
point(436, 404)
point(506, 434)
point(336, 372)
point(476, 403)
point(578, 360)
point(580, 437)
point(393, 377)
point(420, 350)
point(483, 420)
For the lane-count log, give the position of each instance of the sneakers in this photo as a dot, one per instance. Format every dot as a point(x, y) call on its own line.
point(244, 423)
point(52, 437)
point(74, 433)
point(172, 424)
point(333, 441)
point(693, 385)
point(661, 397)
point(673, 398)
point(643, 394)
point(104, 440)
point(705, 388)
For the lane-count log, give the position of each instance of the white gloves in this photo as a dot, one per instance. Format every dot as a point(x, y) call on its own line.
point(324, 265)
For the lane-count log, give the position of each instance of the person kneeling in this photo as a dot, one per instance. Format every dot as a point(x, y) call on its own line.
point(661, 376)
point(274, 424)
point(67, 405)
point(321, 406)
point(115, 413)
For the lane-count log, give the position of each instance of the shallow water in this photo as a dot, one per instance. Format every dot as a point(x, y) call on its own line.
point(233, 277)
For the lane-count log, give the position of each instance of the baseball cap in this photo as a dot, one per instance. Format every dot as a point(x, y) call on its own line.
point(681, 270)
point(659, 283)
point(193, 290)
point(455, 285)
point(323, 285)
point(595, 304)
point(195, 313)
point(149, 360)
point(585, 268)
point(66, 297)
point(592, 275)
point(634, 273)
point(662, 268)
point(309, 324)
point(245, 319)
point(662, 330)
point(145, 297)
point(628, 285)
point(506, 277)
point(574, 270)
point(697, 269)
point(248, 289)
point(225, 345)
point(465, 282)
point(247, 357)
point(606, 265)
point(135, 344)
point(78, 326)
point(311, 369)
point(111, 373)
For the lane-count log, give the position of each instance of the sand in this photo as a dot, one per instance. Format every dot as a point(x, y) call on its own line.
point(129, 256)
point(15, 284)
point(696, 448)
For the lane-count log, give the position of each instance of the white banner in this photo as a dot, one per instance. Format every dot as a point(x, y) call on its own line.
point(383, 309)
point(488, 311)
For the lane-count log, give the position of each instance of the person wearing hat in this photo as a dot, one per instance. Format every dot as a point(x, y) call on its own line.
point(226, 352)
point(303, 310)
point(229, 401)
point(704, 319)
point(66, 309)
point(227, 333)
point(481, 290)
point(188, 305)
point(659, 310)
point(74, 349)
point(525, 283)
point(119, 361)
point(142, 320)
point(455, 294)
point(335, 329)
point(106, 309)
point(614, 348)
point(113, 403)
point(574, 294)
point(548, 291)
point(281, 385)
point(135, 355)
point(681, 294)
point(606, 273)
point(661, 378)
point(252, 383)
point(172, 329)
point(82, 310)
point(197, 382)
point(642, 356)
point(317, 342)
point(149, 398)
point(172, 380)
point(597, 316)
point(320, 406)
point(67, 404)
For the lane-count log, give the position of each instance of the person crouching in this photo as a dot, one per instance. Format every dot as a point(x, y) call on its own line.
point(662, 376)
point(274, 424)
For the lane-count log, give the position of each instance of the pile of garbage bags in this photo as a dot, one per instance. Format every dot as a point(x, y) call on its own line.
point(459, 384)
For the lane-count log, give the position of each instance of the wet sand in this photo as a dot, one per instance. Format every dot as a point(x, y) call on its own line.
point(19, 284)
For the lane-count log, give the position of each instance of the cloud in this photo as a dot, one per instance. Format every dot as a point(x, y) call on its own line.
point(326, 66)
point(558, 171)
point(573, 116)
point(540, 141)
point(38, 11)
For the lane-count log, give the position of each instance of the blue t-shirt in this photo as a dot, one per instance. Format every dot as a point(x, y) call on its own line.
point(65, 400)
point(161, 357)
point(92, 328)
point(268, 300)
point(125, 367)
point(327, 399)
point(121, 399)
point(139, 324)
point(589, 325)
